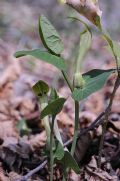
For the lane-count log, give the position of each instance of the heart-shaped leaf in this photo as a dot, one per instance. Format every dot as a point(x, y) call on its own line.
point(59, 151)
point(44, 56)
point(69, 162)
point(94, 80)
point(50, 36)
point(53, 108)
point(40, 88)
point(85, 43)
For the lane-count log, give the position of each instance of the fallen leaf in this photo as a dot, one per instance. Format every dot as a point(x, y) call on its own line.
point(2, 174)
point(38, 140)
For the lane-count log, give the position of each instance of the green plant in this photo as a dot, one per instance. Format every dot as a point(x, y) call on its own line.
point(82, 86)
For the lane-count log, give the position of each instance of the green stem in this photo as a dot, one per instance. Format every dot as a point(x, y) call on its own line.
point(67, 80)
point(75, 128)
point(51, 149)
point(76, 116)
point(45, 120)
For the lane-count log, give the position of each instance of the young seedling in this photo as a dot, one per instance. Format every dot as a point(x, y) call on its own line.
point(82, 86)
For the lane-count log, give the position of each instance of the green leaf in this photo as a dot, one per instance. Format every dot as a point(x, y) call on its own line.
point(59, 151)
point(50, 36)
point(98, 22)
point(94, 80)
point(40, 88)
point(84, 46)
point(85, 43)
point(81, 21)
point(44, 56)
point(53, 95)
point(53, 108)
point(69, 162)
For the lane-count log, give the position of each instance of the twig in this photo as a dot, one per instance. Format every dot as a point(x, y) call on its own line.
point(107, 112)
point(32, 172)
point(96, 123)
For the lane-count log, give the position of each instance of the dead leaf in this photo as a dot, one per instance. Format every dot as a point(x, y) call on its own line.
point(94, 173)
point(87, 8)
point(95, 103)
point(8, 129)
point(14, 154)
point(64, 121)
point(86, 118)
point(2, 174)
point(13, 176)
point(82, 145)
point(11, 73)
point(38, 140)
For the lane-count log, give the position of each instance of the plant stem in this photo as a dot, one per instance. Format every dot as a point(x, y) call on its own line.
point(51, 149)
point(75, 128)
point(45, 120)
point(67, 80)
point(76, 115)
point(107, 112)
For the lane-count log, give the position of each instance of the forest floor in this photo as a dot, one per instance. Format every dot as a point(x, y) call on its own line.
point(22, 135)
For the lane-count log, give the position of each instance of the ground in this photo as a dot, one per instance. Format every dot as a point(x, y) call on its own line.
point(22, 135)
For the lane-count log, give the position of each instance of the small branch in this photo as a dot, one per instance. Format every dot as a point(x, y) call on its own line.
point(96, 123)
point(107, 112)
point(32, 172)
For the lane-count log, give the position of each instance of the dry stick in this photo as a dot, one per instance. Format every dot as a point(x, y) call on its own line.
point(32, 172)
point(107, 112)
point(97, 122)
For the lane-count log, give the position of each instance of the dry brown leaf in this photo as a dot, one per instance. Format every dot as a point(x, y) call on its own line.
point(92, 172)
point(26, 107)
point(116, 102)
point(11, 73)
point(13, 176)
point(64, 121)
point(86, 118)
point(88, 8)
point(95, 103)
point(6, 91)
point(82, 146)
point(38, 141)
point(73, 176)
point(116, 128)
point(7, 111)
point(8, 129)
point(2, 174)
point(10, 140)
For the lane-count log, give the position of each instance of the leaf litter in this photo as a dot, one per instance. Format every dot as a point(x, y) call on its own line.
point(20, 153)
